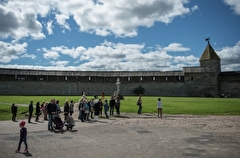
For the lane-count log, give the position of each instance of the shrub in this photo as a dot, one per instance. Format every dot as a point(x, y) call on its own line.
point(139, 90)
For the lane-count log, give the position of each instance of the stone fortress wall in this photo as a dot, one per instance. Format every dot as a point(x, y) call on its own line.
point(204, 80)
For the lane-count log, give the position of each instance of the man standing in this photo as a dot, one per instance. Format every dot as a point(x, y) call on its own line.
point(14, 111)
point(52, 108)
point(71, 108)
point(112, 103)
point(139, 103)
point(30, 111)
point(117, 104)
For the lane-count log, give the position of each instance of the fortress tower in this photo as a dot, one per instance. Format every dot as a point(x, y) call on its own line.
point(210, 60)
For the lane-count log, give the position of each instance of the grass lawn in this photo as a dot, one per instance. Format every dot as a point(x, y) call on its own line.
point(171, 105)
point(6, 113)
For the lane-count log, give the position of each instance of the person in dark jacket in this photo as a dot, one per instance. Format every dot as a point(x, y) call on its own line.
point(52, 109)
point(106, 107)
point(23, 137)
point(38, 111)
point(30, 111)
point(14, 111)
point(96, 109)
point(81, 109)
point(112, 103)
point(66, 108)
point(118, 106)
point(71, 107)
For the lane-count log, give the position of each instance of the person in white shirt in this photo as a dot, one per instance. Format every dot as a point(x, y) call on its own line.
point(159, 106)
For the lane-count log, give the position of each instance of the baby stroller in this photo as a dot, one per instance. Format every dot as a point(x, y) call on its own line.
point(58, 124)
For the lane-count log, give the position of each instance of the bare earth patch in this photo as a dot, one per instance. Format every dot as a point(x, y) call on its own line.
point(209, 122)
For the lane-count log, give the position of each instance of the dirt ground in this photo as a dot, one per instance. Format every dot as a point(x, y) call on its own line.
point(128, 136)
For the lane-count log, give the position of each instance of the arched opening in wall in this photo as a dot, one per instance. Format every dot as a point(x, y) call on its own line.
point(154, 78)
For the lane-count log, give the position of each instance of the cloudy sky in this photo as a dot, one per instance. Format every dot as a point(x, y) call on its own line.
point(119, 35)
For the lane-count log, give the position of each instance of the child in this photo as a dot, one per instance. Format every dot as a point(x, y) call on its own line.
point(106, 107)
point(23, 137)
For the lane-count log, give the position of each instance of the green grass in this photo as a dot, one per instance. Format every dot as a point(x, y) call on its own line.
point(6, 113)
point(171, 105)
point(186, 105)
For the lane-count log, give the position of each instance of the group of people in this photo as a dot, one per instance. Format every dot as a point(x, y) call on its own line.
point(87, 108)
point(94, 108)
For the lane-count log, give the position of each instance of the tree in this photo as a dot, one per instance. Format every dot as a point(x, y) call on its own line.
point(139, 90)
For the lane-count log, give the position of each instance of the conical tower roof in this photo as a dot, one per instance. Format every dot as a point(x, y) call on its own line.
point(209, 53)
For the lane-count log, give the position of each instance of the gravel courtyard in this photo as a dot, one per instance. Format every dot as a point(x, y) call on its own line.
point(130, 135)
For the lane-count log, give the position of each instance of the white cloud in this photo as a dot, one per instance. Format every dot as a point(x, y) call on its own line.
point(59, 63)
point(19, 19)
point(121, 18)
point(119, 56)
point(49, 54)
point(32, 56)
point(189, 60)
point(55, 52)
point(234, 4)
point(61, 20)
point(17, 24)
point(230, 57)
point(49, 27)
point(176, 47)
point(194, 8)
point(10, 51)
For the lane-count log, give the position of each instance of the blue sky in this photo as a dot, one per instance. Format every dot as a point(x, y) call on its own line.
point(121, 35)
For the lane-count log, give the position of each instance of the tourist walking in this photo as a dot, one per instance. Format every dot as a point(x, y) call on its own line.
point(30, 111)
point(91, 107)
point(87, 110)
point(103, 95)
point(96, 110)
point(106, 107)
point(58, 108)
point(52, 109)
point(81, 109)
point(71, 108)
point(23, 137)
point(100, 106)
point(14, 111)
point(118, 106)
point(66, 108)
point(112, 103)
point(139, 103)
point(45, 112)
point(159, 106)
point(38, 111)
